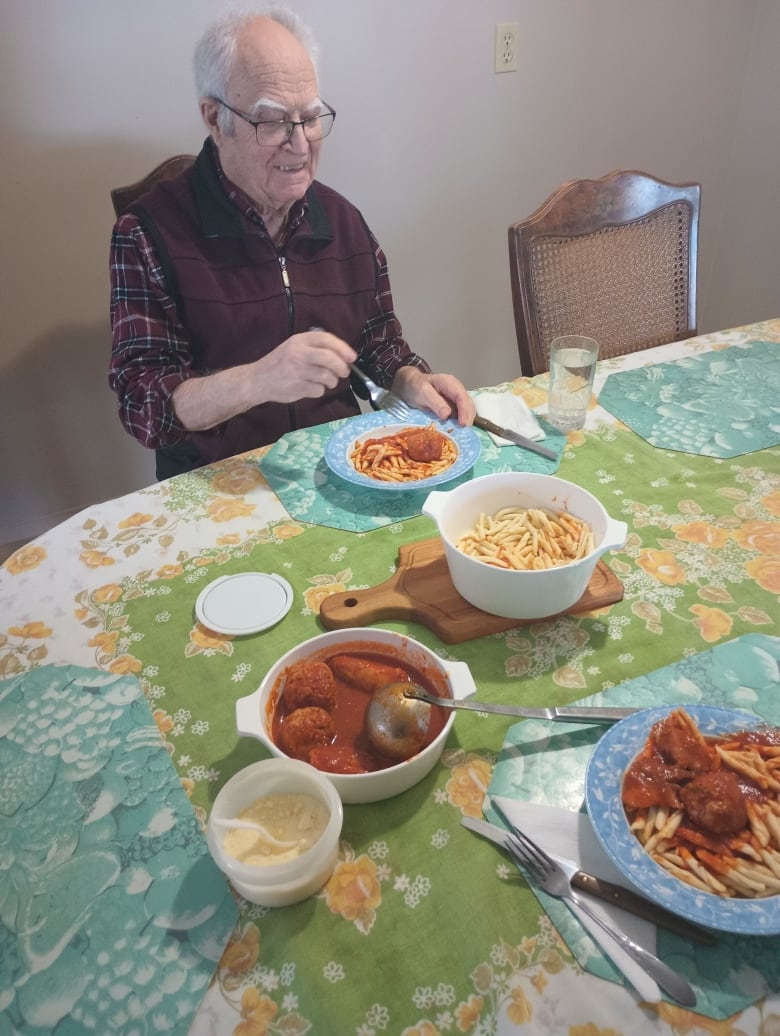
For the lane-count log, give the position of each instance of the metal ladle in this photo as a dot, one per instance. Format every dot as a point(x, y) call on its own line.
point(398, 716)
point(395, 724)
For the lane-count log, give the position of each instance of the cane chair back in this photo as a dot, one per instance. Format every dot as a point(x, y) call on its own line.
point(614, 259)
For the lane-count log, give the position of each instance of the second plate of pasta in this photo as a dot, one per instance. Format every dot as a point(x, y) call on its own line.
point(613, 754)
point(368, 452)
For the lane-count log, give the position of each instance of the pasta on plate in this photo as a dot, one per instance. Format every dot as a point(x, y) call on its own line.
point(408, 455)
point(707, 809)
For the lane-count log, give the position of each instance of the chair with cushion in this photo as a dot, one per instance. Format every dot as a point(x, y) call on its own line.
point(613, 258)
point(123, 197)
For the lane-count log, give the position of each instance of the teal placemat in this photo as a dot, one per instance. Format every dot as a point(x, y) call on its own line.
point(113, 915)
point(545, 762)
point(296, 470)
point(724, 403)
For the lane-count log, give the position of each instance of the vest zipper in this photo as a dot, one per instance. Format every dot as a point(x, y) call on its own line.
point(289, 297)
point(287, 292)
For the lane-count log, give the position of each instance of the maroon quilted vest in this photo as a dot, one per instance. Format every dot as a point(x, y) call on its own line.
point(238, 296)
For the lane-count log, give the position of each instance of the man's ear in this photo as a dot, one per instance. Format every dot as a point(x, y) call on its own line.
point(209, 110)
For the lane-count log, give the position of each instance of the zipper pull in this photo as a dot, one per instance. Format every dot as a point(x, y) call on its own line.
point(285, 275)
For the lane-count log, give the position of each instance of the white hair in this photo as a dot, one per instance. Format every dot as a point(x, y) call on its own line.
point(215, 52)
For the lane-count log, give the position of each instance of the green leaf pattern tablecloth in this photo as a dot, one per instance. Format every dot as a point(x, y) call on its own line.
point(692, 571)
point(422, 931)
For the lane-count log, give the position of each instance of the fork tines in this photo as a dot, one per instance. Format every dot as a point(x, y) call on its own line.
point(382, 398)
point(396, 408)
point(528, 853)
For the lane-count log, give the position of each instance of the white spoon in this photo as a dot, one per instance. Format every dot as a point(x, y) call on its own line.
point(250, 825)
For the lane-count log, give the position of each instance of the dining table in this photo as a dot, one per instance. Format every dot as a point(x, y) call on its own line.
point(118, 729)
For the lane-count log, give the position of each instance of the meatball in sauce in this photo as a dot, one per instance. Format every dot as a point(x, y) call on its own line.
point(319, 707)
point(680, 768)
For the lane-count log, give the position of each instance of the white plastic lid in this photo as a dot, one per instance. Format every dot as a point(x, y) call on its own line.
point(247, 602)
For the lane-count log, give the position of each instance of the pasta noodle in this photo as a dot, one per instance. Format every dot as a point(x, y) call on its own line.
point(707, 810)
point(531, 539)
point(408, 455)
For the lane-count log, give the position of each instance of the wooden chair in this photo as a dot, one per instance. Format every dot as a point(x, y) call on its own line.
point(123, 197)
point(613, 258)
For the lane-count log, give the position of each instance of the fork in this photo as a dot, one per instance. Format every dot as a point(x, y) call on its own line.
point(384, 399)
point(547, 873)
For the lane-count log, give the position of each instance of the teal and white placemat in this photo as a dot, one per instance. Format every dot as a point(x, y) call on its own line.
point(545, 762)
point(724, 403)
point(297, 472)
point(113, 915)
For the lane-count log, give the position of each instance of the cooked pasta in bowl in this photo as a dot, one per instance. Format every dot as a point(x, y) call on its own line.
point(522, 545)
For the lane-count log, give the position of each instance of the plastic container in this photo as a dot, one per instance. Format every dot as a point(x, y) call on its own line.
point(276, 885)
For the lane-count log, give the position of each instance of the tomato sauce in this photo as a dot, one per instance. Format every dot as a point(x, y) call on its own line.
point(348, 749)
point(676, 757)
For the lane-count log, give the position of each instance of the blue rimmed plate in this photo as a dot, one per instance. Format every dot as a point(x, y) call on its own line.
point(341, 443)
point(603, 782)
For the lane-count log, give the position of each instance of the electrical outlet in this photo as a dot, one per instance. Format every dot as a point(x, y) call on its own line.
point(506, 46)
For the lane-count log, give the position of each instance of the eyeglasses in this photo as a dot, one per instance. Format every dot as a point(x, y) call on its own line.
point(273, 132)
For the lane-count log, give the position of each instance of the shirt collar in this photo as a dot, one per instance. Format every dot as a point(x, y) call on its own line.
point(242, 202)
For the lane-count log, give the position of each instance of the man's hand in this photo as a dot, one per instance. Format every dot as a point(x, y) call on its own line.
point(304, 366)
point(443, 394)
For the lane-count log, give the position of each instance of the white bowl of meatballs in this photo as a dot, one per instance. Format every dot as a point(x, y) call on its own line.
point(311, 706)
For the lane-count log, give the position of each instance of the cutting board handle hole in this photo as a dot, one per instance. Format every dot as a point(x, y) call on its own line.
point(350, 602)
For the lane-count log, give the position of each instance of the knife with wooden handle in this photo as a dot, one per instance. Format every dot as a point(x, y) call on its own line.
point(609, 892)
point(518, 440)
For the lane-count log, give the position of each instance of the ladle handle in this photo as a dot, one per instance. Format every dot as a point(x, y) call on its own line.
point(572, 713)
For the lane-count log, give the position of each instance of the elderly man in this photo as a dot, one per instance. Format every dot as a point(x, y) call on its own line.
point(243, 289)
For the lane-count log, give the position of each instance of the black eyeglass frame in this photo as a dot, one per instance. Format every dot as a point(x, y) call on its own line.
point(290, 124)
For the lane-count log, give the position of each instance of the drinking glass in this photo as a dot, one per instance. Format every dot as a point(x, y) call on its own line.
point(572, 366)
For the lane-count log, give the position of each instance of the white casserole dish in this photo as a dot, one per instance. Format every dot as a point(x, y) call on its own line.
point(511, 593)
point(255, 712)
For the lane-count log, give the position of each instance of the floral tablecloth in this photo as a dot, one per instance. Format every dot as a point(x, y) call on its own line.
point(412, 934)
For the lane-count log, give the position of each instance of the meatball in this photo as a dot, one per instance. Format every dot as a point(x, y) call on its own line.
point(426, 445)
point(310, 684)
point(714, 801)
point(650, 782)
point(366, 674)
point(679, 741)
point(305, 729)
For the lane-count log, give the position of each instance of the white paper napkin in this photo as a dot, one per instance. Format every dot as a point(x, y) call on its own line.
point(569, 837)
point(508, 411)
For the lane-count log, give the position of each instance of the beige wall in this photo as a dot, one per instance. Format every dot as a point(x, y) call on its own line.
point(439, 152)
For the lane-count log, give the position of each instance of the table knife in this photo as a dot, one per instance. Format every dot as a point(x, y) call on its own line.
point(609, 892)
point(518, 440)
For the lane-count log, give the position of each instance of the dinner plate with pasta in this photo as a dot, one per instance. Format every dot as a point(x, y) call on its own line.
point(685, 800)
point(372, 452)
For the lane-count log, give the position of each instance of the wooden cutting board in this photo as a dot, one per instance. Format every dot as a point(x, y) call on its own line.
point(421, 591)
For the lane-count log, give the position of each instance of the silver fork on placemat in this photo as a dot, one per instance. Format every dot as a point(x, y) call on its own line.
point(549, 876)
point(383, 399)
